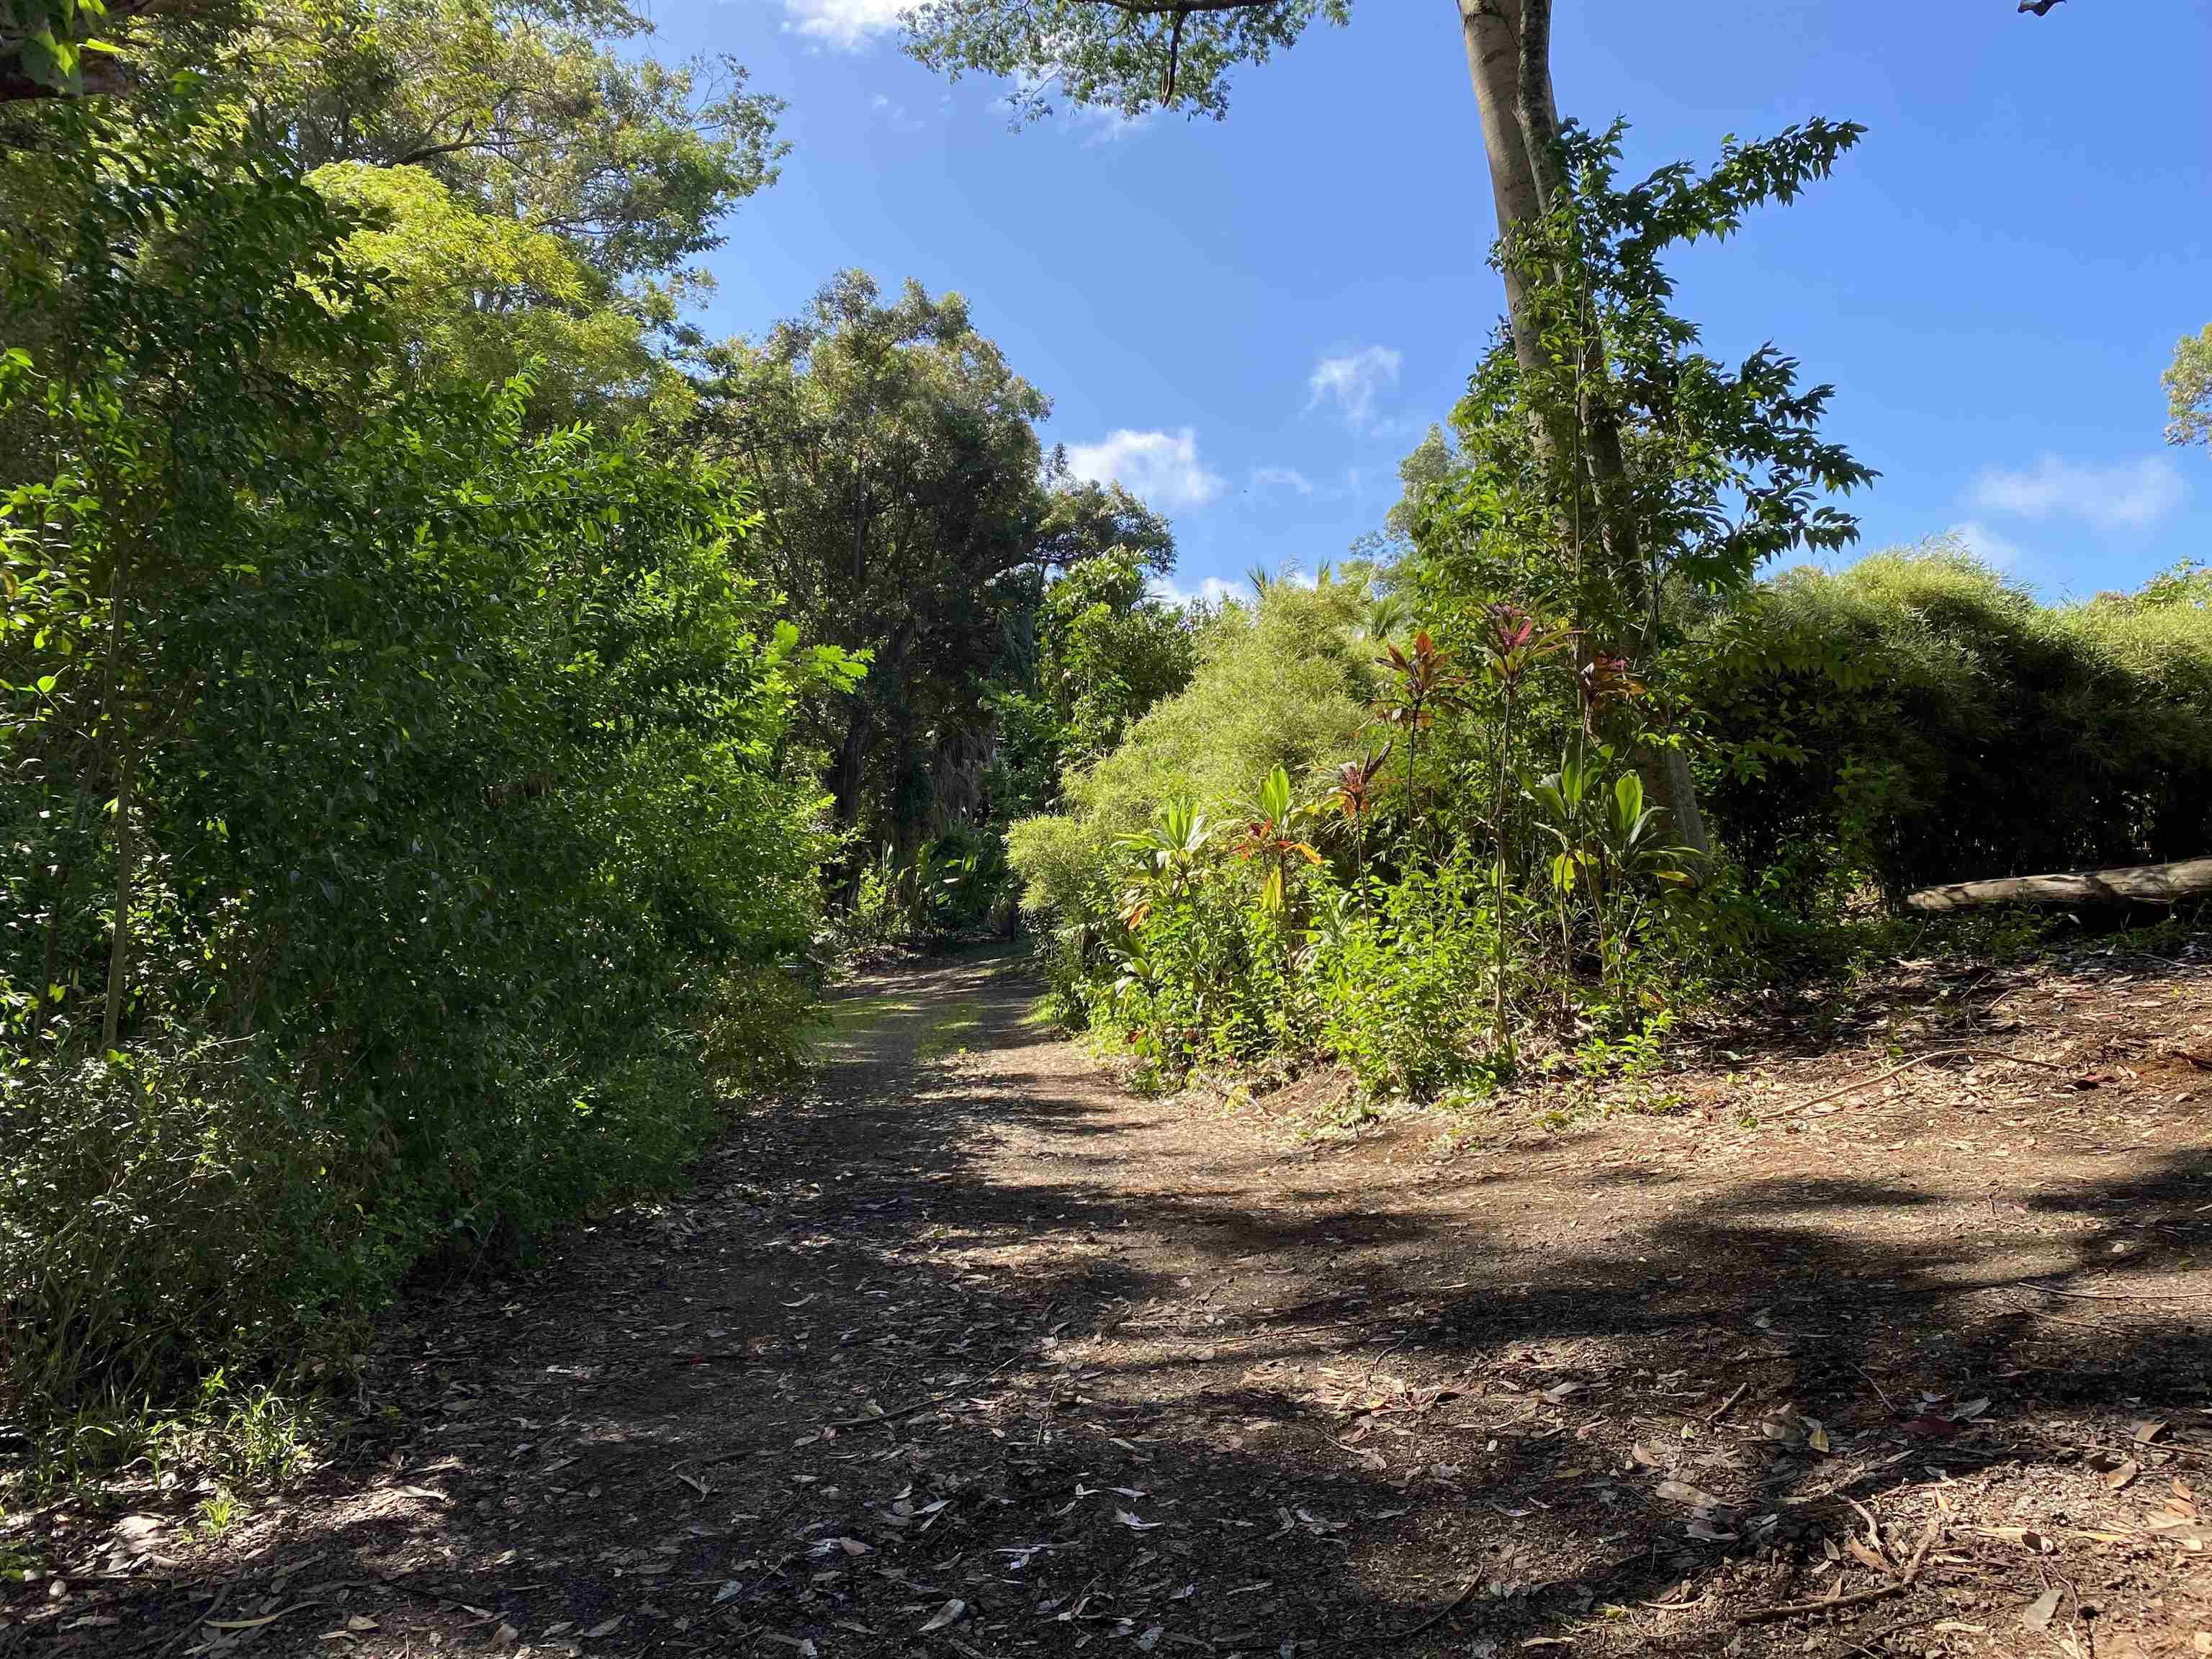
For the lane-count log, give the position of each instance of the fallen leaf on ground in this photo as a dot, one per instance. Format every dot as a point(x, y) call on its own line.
point(2037, 1614)
point(1681, 1492)
point(946, 1615)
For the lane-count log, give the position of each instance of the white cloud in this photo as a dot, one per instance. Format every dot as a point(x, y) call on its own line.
point(2130, 497)
point(1100, 125)
point(895, 113)
point(1355, 381)
point(1213, 591)
point(2000, 552)
point(1163, 467)
point(848, 25)
point(1282, 477)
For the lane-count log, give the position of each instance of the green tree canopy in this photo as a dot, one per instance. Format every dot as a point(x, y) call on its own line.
point(2188, 390)
point(901, 487)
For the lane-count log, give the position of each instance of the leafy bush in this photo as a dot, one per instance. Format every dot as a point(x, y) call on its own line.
point(1402, 987)
point(395, 809)
point(1917, 719)
point(1283, 681)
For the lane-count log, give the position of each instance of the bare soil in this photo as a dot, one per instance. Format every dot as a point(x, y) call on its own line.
point(967, 1350)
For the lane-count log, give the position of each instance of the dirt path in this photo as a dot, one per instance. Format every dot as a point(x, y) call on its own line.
point(968, 1351)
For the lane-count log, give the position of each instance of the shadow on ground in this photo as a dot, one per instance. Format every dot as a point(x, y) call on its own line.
point(965, 1350)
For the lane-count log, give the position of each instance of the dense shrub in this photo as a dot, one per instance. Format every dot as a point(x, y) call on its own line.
point(1283, 681)
point(1402, 983)
point(399, 845)
point(1912, 719)
point(1916, 718)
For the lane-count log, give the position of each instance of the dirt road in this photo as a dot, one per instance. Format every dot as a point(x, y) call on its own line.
point(969, 1351)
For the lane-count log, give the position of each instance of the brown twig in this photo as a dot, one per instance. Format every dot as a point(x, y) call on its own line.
point(1722, 1410)
point(192, 1625)
point(2117, 1296)
point(2139, 1448)
point(921, 1404)
point(1876, 1386)
point(1857, 1598)
point(1922, 1060)
point(1440, 1614)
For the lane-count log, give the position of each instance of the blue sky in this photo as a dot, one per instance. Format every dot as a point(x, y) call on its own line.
point(1251, 321)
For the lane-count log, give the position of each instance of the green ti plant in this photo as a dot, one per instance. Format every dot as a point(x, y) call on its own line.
point(1271, 836)
point(1168, 855)
point(1610, 844)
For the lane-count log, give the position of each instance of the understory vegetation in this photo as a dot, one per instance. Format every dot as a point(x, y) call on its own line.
point(456, 714)
point(1331, 845)
point(1558, 764)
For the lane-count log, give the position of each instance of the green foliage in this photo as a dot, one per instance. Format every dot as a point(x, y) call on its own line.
point(395, 802)
point(1111, 56)
point(1203, 978)
point(439, 261)
point(1403, 986)
point(1283, 681)
point(538, 111)
point(1863, 722)
point(55, 44)
point(1107, 652)
point(2188, 381)
point(1623, 459)
point(899, 469)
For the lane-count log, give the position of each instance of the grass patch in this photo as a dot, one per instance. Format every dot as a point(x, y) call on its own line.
point(856, 1018)
point(246, 1440)
point(951, 1032)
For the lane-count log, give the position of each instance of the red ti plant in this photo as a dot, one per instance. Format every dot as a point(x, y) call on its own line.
point(1424, 680)
point(1357, 786)
point(1514, 641)
point(1601, 683)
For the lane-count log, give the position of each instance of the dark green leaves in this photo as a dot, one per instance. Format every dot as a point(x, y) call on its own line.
point(1126, 56)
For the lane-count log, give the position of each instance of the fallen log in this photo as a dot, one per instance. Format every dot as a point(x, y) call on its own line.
point(2138, 883)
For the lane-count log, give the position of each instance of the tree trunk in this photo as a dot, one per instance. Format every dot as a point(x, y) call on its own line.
point(2136, 884)
point(1509, 52)
point(126, 869)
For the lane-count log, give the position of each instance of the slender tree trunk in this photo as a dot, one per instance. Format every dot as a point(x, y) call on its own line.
point(51, 959)
point(126, 869)
point(1508, 51)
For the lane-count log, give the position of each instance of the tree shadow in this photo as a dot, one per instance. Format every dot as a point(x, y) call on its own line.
point(870, 1367)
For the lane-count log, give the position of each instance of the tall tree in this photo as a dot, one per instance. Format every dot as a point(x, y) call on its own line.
point(900, 490)
point(537, 188)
